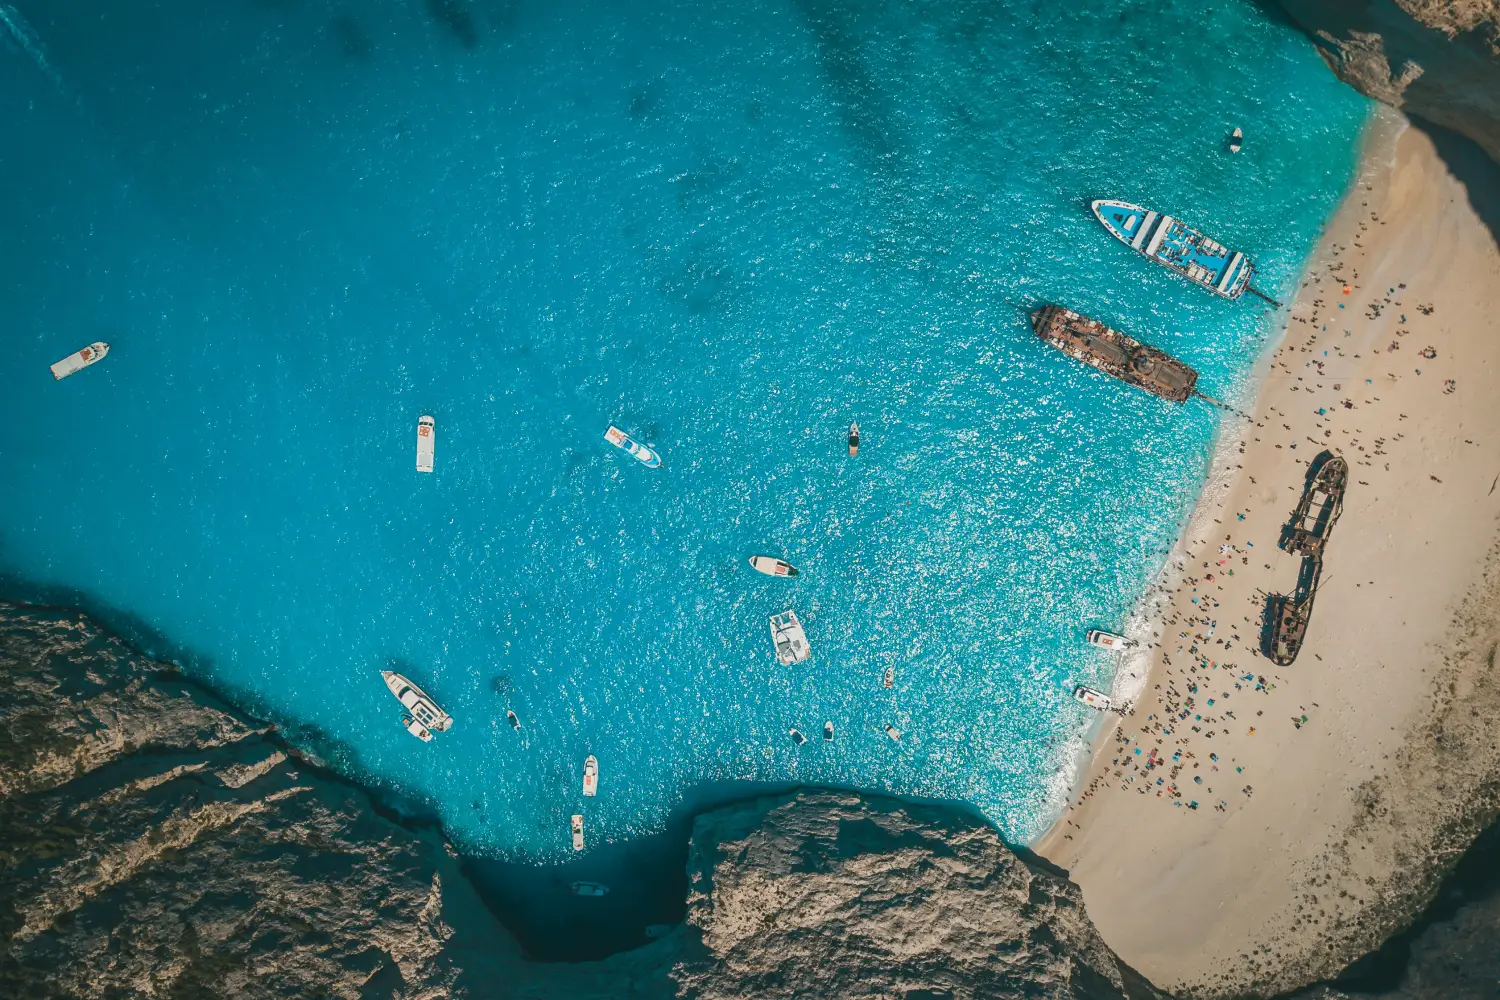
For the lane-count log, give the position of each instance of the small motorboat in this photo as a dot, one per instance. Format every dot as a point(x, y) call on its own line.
point(591, 775)
point(79, 360)
point(854, 439)
point(1110, 641)
point(828, 732)
point(577, 832)
point(890, 677)
point(772, 566)
point(589, 889)
point(418, 703)
point(515, 722)
point(797, 736)
point(1097, 700)
point(1236, 138)
point(634, 449)
point(789, 639)
point(893, 732)
point(426, 443)
point(418, 730)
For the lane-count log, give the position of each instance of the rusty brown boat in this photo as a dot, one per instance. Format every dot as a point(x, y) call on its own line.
point(1114, 353)
point(1305, 534)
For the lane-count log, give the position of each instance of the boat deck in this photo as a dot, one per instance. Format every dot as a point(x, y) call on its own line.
point(1114, 353)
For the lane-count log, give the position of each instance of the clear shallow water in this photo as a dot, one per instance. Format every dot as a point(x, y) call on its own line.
point(729, 229)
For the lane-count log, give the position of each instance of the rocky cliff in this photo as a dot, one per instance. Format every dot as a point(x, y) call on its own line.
point(1436, 59)
point(157, 843)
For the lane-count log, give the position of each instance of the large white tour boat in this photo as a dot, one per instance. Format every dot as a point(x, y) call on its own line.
point(423, 710)
point(79, 360)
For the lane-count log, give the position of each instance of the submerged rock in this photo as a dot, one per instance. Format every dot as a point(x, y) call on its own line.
point(157, 843)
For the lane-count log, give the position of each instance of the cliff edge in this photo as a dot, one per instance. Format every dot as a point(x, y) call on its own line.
point(1435, 59)
point(157, 843)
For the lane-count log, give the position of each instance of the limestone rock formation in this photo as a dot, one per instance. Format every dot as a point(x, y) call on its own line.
point(156, 843)
point(830, 894)
point(1436, 59)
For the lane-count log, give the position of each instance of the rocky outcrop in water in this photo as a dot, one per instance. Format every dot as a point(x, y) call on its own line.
point(1436, 59)
point(158, 843)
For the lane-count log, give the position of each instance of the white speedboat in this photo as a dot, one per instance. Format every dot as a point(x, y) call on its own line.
point(893, 732)
point(797, 736)
point(1110, 641)
point(589, 889)
point(417, 702)
point(426, 443)
point(418, 730)
point(890, 677)
point(828, 731)
point(591, 775)
point(1236, 139)
point(854, 440)
point(79, 360)
point(1093, 699)
point(789, 639)
point(772, 566)
point(577, 832)
point(634, 449)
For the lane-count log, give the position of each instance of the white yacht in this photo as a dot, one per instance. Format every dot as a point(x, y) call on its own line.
point(789, 639)
point(591, 775)
point(1093, 699)
point(633, 448)
point(772, 566)
point(426, 443)
point(79, 360)
point(893, 732)
point(577, 832)
point(418, 703)
point(1110, 641)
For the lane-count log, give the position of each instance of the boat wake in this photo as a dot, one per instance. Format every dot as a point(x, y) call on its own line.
point(20, 35)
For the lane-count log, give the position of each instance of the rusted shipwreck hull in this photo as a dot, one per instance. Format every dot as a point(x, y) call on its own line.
point(1306, 534)
point(1114, 353)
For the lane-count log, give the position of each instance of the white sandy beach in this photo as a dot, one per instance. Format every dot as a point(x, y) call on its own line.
point(1247, 826)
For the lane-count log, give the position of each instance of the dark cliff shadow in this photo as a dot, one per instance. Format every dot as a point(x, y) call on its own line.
point(1474, 881)
point(1473, 168)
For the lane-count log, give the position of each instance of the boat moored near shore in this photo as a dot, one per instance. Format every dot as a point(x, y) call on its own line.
point(1114, 353)
point(1093, 699)
point(1177, 247)
point(1109, 640)
point(79, 360)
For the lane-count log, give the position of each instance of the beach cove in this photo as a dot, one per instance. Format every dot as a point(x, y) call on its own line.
point(1247, 828)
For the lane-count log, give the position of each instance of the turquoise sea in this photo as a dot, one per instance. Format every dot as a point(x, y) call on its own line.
point(730, 229)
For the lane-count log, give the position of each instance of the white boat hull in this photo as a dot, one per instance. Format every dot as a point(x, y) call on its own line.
point(1097, 700)
point(788, 639)
point(416, 701)
point(1110, 641)
point(772, 567)
point(79, 360)
point(426, 443)
point(591, 776)
point(577, 832)
point(640, 452)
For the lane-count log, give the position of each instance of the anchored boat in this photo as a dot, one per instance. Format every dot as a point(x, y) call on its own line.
point(591, 775)
point(426, 443)
point(1114, 353)
point(797, 737)
point(589, 889)
point(1108, 640)
point(772, 566)
point(1236, 139)
point(893, 732)
point(515, 722)
point(634, 449)
point(1180, 248)
point(418, 730)
point(789, 639)
point(418, 703)
point(854, 439)
point(79, 360)
point(577, 823)
point(1093, 699)
point(828, 732)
